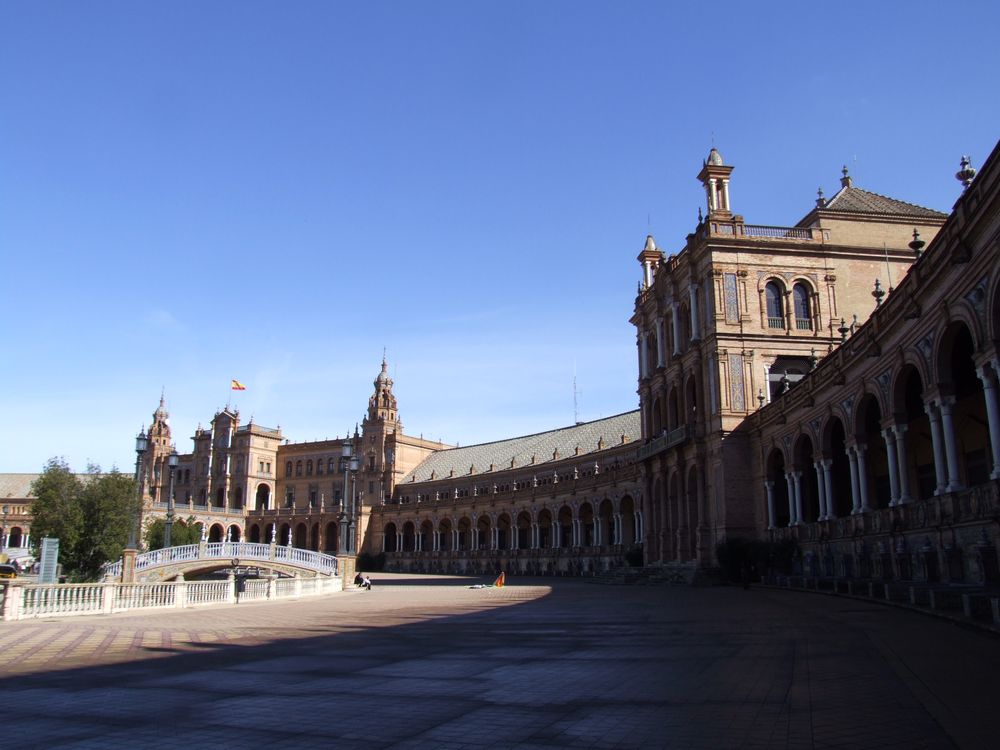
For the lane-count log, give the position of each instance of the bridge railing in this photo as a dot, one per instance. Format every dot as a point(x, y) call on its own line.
point(242, 551)
point(22, 601)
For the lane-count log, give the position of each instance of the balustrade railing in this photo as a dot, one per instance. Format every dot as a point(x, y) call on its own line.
point(244, 551)
point(64, 600)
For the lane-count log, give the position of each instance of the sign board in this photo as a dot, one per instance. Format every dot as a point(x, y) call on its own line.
point(50, 561)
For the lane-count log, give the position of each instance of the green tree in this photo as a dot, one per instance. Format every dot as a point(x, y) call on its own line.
point(183, 532)
point(91, 518)
point(56, 509)
point(109, 507)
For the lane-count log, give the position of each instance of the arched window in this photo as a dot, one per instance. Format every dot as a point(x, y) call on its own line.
point(309, 468)
point(803, 311)
point(298, 468)
point(775, 309)
point(319, 466)
point(330, 466)
point(288, 468)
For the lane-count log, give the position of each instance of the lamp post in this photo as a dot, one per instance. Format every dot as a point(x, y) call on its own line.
point(140, 449)
point(349, 462)
point(172, 460)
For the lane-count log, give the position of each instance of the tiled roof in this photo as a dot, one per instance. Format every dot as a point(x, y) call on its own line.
point(854, 200)
point(521, 449)
point(16, 486)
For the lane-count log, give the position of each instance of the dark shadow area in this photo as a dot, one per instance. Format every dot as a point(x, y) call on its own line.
point(583, 666)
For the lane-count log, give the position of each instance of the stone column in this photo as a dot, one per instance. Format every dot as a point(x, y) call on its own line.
point(797, 479)
point(937, 445)
point(901, 466)
point(827, 465)
point(693, 298)
point(661, 349)
point(643, 355)
point(821, 489)
point(992, 415)
point(863, 477)
point(769, 488)
point(399, 541)
point(790, 484)
point(675, 320)
point(889, 436)
point(767, 383)
point(725, 194)
point(713, 201)
point(950, 444)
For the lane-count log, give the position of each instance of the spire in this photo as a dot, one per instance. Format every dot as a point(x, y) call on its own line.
point(714, 176)
point(845, 180)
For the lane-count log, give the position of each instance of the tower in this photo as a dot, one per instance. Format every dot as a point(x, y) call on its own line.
point(380, 424)
point(714, 176)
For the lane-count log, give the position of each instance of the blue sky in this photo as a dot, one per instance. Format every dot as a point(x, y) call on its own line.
point(192, 192)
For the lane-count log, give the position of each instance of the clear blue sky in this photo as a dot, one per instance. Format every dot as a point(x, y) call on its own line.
point(192, 192)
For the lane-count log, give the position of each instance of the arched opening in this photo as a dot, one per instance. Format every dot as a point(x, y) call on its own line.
point(301, 536)
point(676, 520)
point(807, 481)
point(629, 536)
point(483, 533)
point(606, 524)
point(841, 501)
point(778, 486)
point(692, 404)
point(285, 535)
point(657, 420)
point(255, 534)
point(445, 534)
point(673, 409)
point(523, 530)
point(908, 406)
point(216, 533)
point(235, 533)
point(959, 381)
point(464, 533)
point(331, 538)
point(876, 462)
point(565, 522)
point(314, 537)
point(802, 306)
point(16, 537)
point(661, 524)
point(426, 536)
point(220, 497)
point(545, 538)
point(409, 536)
point(270, 534)
point(774, 304)
point(503, 531)
point(263, 497)
point(694, 510)
point(237, 497)
point(587, 534)
point(390, 538)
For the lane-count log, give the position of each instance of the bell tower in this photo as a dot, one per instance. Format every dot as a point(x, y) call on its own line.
point(714, 176)
point(380, 424)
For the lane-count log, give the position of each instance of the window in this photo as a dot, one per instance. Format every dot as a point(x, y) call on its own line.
point(288, 469)
point(319, 466)
point(775, 309)
point(298, 468)
point(330, 467)
point(309, 468)
point(803, 312)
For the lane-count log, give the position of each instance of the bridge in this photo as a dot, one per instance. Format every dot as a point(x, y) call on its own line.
point(165, 564)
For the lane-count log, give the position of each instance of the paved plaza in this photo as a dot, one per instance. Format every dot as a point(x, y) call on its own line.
point(425, 662)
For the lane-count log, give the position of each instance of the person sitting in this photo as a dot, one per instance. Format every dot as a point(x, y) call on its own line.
point(358, 580)
point(367, 583)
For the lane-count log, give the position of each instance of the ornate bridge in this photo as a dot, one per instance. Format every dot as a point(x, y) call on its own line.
point(164, 564)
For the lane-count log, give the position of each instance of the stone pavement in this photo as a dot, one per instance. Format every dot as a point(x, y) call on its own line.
point(425, 662)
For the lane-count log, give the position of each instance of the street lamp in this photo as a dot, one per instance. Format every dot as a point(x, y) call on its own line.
point(350, 463)
point(172, 460)
point(140, 448)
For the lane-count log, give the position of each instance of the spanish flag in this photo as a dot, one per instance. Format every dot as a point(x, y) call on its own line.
point(238, 386)
point(500, 581)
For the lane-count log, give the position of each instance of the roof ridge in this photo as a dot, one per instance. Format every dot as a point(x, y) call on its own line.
point(534, 434)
